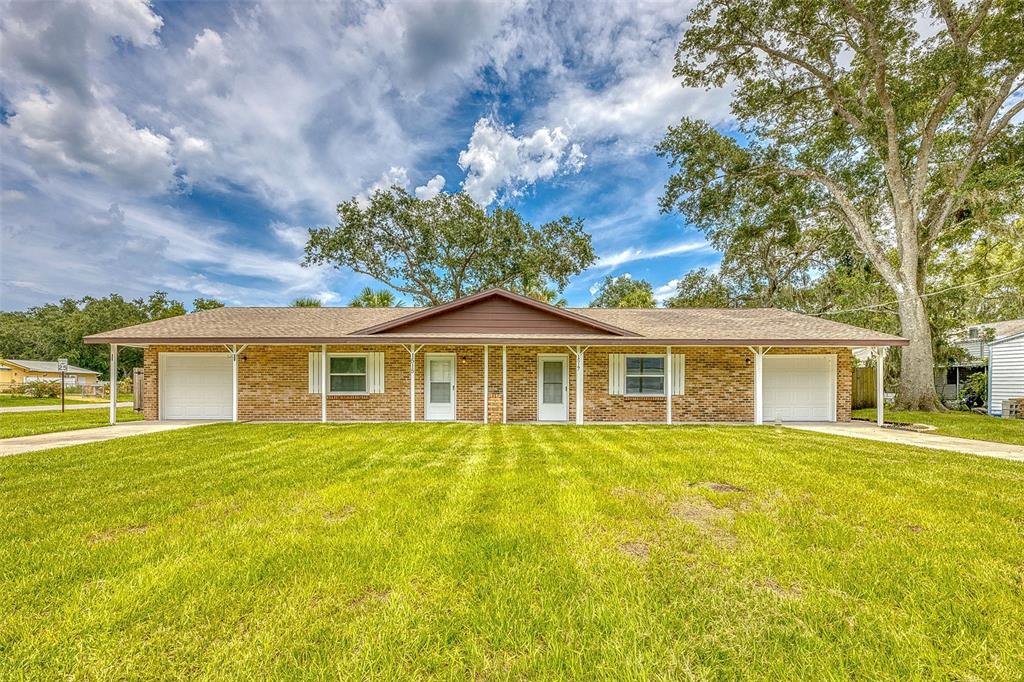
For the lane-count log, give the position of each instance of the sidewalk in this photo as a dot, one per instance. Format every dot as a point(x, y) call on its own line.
point(52, 408)
point(45, 441)
point(868, 431)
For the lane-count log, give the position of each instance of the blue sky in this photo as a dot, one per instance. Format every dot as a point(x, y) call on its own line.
point(185, 147)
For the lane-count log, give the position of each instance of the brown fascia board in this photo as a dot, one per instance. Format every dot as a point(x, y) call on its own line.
point(467, 300)
point(493, 341)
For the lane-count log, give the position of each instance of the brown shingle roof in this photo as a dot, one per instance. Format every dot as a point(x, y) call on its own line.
point(698, 326)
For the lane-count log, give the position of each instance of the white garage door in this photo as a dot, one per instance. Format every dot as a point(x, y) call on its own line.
point(799, 388)
point(195, 386)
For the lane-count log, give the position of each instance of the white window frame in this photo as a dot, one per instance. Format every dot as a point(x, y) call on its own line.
point(626, 375)
point(365, 374)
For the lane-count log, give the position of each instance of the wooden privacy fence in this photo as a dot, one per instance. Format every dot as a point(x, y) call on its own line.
point(863, 387)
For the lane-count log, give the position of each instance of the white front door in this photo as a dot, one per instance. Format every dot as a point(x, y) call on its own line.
point(552, 388)
point(439, 389)
point(799, 387)
point(195, 385)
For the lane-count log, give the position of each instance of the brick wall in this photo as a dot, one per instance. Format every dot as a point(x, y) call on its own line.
point(273, 384)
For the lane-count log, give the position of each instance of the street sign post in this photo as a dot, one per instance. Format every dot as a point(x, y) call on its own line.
point(62, 367)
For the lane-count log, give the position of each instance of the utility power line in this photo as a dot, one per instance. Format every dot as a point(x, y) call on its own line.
point(925, 295)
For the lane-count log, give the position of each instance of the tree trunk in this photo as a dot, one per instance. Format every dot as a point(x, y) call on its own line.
point(916, 389)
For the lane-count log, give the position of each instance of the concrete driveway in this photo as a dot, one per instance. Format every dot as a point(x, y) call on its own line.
point(934, 441)
point(53, 408)
point(45, 441)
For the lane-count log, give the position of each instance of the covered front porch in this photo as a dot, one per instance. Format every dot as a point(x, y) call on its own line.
point(496, 383)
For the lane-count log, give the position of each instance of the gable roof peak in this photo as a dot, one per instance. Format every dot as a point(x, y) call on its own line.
point(443, 309)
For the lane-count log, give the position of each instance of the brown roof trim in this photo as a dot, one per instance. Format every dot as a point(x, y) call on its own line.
point(489, 293)
point(395, 340)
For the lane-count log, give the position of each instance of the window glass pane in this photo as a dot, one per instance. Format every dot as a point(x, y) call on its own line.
point(346, 383)
point(552, 394)
point(552, 372)
point(348, 365)
point(633, 385)
point(653, 366)
point(440, 392)
point(652, 385)
point(633, 364)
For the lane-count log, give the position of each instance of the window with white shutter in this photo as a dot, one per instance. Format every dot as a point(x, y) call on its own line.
point(678, 374)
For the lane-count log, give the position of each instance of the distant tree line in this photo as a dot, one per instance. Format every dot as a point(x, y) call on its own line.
point(56, 330)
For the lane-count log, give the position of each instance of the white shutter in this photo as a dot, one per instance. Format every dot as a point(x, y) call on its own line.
point(314, 372)
point(678, 374)
point(375, 372)
point(616, 373)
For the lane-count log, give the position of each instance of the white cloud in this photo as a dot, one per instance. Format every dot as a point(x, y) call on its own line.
point(496, 159)
point(328, 297)
point(666, 290)
point(295, 237)
point(61, 133)
point(210, 66)
point(432, 188)
point(11, 195)
point(632, 254)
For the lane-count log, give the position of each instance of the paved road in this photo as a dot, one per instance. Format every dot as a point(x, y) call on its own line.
point(51, 408)
point(45, 441)
point(934, 441)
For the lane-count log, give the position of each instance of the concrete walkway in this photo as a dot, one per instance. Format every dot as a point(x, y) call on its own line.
point(934, 441)
point(52, 408)
point(45, 441)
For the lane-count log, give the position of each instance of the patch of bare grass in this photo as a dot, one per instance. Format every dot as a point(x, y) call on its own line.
point(711, 520)
point(637, 549)
point(339, 515)
point(718, 487)
point(370, 597)
point(116, 533)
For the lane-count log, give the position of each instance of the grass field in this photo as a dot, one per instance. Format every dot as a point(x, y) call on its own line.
point(29, 423)
point(10, 400)
point(461, 551)
point(959, 424)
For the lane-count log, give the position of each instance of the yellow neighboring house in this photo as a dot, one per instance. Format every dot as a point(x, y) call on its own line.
point(27, 371)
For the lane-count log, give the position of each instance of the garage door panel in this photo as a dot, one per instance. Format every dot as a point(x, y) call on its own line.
point(798, 388)
point(195, 386)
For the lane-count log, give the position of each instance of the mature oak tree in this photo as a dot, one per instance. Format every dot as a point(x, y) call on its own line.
point(437, 250)
point(624, 292)
point(850, 120)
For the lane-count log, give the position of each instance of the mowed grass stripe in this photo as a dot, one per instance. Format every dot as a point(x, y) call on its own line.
point(456, 550)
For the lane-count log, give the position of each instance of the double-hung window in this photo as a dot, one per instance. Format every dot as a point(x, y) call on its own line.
point(347, 373)
point(645, 375)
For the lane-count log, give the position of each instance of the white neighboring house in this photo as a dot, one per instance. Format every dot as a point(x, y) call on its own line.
point(996, 347)
point(1005, 371)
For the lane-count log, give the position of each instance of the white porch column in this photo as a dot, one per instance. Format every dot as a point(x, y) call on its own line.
point(758, 385)
point(323, 383)
point(879, 385)
point(113, 383)
point(412, 349)
point(504, 385)
point(579, 384)
point(486, 386)
point(234, 384)
point(668, 384)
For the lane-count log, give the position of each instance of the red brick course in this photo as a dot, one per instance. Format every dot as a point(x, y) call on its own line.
point(273, 384)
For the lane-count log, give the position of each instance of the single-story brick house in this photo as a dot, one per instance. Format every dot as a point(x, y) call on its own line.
point(497, 357)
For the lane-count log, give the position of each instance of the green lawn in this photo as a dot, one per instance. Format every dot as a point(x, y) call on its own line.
point(28, 423)
point(524, 552)
point(959, 424)
point(9, 400)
